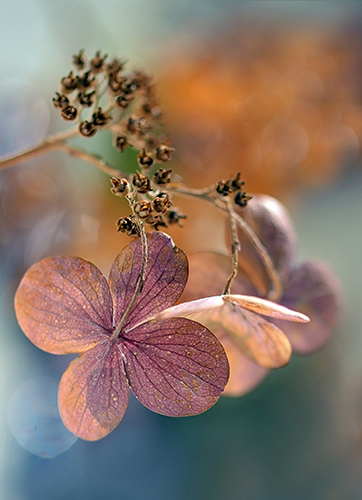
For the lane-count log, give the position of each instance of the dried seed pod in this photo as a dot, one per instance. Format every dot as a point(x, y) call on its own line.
point(141, 183)
point(78, 60)
point(69, 113)
point(100, 118)
point(123, 101)
point(162, 203)
point(174, 216)
point(116, 83)
point(128, 225)
point(143, 209)
point(145, 160)
point(162, 176)
point(87, 129)
point(86, 99)
point(241, 199)
point(236, 183)
point(60, 101)
point(96, 63)
point(224, 188)
point(120, 187)
point(121, 143)
point(68, 83)
point(163, 153)
point(84, 82)
point(153, 220)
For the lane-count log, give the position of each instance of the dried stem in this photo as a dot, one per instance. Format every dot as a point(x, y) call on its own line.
point(235, 246)
point(91, 158)
point(277, 288)
point(52, 143)
point(140, 281)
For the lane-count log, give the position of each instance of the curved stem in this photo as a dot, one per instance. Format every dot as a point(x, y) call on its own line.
point(140, 281)
point(235, 247)
point(50, 144)
point(91, 158)
point(277, 288)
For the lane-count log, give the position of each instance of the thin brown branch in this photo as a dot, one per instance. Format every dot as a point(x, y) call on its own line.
point(235, 246)
point(52, 143)
point(91, 158)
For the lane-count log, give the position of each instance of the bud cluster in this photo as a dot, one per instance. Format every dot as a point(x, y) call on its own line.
point(233, 186)
point(101, 93)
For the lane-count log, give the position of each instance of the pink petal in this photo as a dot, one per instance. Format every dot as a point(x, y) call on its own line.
point(257, 338)
point(245, 375)
point(312, 288)
point(272, 224)
point(63, 305)
point(166, 276)
point(175, 367)
point(93, 392)
point(266, 307)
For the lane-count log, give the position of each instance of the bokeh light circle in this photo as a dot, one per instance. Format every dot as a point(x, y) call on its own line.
point(34, 418)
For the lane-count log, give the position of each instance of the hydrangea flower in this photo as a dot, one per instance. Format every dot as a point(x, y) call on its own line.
point(175, 366)
point(309, 287)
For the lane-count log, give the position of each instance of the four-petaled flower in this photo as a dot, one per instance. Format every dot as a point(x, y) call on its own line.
point(174, 366)
point(309, 287)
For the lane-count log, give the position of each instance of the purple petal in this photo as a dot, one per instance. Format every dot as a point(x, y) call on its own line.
point(64, 305)
point(94, 393)
point(166, 276)
point(175, 367)
point(272, 224)
point(313, 289)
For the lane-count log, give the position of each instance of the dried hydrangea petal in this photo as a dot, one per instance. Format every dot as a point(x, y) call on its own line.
point(313, 289)
point(63, 305)
point(93, 392)
point(271, 223)
point(176, 367)
point(165, 279)
point(245, 375)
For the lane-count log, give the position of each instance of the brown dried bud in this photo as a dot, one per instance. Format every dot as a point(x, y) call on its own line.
point(143, 209)
point(115, 66)
point(162, 203)
point(121, 143)
point(224, 188)
point(123, 101)
point(100, 118)
point(78, 60)
point(128, 225)
point(86, 99)
point(164, 153)
point(116, 83)
point(236, 183)
point(137, 125)
point(87, 129)
point(120, 187)
point(241, 199)
point(69, 83)
point(141, 183)
point(162, 176)
point(174, 216)
point(83, 81)
point(96, 63)
point(145, 160)
point(60, 101)
point(69, 113)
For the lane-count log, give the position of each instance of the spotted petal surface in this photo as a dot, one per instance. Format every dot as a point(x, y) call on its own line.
point(93, 392)
point(63, 305)
point(175, 367)
point(165, 280)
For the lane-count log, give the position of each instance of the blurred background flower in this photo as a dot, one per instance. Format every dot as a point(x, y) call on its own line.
point(271, 89)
